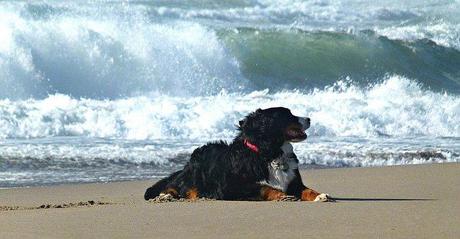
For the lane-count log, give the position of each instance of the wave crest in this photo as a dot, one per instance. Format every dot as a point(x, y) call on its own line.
point(119, 51)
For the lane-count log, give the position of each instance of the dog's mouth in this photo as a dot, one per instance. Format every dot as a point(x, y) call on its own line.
point(295, 133)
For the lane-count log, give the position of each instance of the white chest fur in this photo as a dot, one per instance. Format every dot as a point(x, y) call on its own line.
point(281, 170)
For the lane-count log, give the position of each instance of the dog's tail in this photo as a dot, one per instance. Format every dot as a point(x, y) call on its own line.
point(159, 186)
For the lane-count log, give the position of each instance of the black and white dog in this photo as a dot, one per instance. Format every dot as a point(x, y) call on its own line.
point(259, 164)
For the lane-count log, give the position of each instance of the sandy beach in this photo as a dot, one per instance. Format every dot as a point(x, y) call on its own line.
point(388, 202)
point(98, 99)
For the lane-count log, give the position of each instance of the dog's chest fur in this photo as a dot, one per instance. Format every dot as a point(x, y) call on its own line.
point(282, 170)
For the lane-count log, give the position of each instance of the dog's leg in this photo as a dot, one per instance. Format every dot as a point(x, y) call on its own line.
point(168, 194)
point(268, 193)
point(176, 188)
point(192, 193)
point(312, 195)
point(161, 186)
point(298, 189)
point(257, 192)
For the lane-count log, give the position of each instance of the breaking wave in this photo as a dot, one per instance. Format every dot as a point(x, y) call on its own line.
point(395, 107)
point(123, 51)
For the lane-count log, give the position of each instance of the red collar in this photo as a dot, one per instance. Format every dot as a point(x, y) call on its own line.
point(251, 146)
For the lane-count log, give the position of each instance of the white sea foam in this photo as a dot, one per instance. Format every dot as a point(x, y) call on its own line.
point(439, 31)
point(370, 152)
point(395, 107)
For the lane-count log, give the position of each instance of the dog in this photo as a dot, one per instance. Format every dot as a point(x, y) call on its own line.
point(259, 164)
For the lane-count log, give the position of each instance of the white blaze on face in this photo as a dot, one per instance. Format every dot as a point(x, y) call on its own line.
point(305, 122)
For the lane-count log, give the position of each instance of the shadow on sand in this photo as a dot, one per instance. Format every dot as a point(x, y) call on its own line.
point(358, 199)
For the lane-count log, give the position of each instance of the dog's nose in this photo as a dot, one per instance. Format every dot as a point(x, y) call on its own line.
point(305, 121)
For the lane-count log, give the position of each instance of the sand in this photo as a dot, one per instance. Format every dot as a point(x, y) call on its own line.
point(420, 201)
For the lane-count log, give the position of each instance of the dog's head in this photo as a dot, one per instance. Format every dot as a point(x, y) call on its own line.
point(277, 124)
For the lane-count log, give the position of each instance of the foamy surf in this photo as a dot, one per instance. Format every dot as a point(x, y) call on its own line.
point(396, 107)
point(62, 139)
point(119, 90)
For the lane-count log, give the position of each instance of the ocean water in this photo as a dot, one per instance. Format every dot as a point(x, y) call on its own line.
point(97, 91)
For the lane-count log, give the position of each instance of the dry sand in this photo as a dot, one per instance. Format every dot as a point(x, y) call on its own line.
point(388, 202)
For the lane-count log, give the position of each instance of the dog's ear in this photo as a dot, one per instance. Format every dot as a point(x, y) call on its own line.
point(248, 123)
point(244, 121)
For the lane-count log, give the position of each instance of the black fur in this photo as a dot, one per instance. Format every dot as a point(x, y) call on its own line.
point(233, 171)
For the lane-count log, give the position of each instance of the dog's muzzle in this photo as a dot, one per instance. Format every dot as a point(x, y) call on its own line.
point(296, 131)
point(305, 122)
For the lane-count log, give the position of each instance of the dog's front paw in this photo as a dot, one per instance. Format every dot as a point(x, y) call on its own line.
point(323, 197)
point(163, 197)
